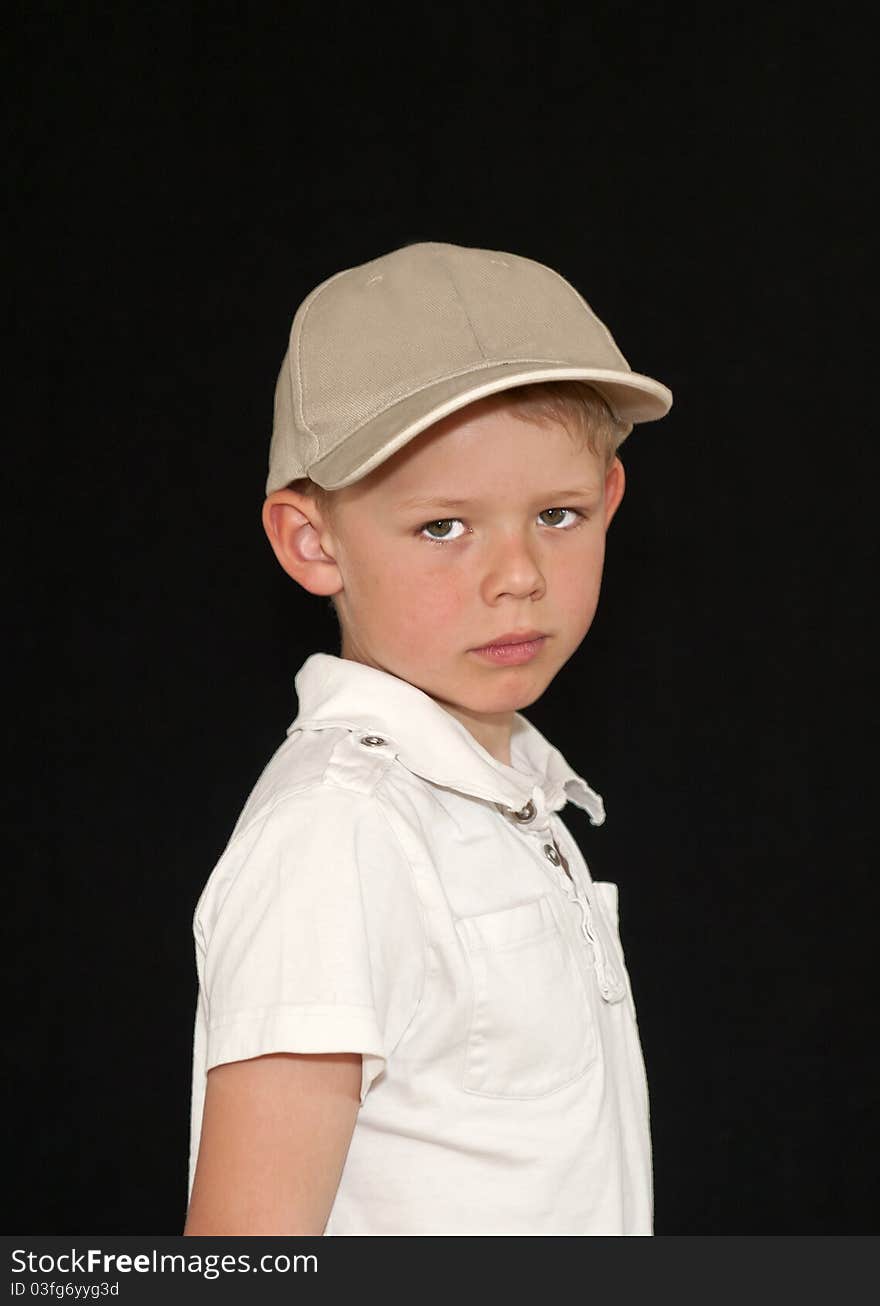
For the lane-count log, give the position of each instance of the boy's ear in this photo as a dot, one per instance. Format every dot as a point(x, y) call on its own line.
point(295, 528)
point(615, 484)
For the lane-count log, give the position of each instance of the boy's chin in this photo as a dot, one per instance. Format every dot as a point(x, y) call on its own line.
point(506, 689)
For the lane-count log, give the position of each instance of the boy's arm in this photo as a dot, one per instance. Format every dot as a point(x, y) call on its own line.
point(275, 1134)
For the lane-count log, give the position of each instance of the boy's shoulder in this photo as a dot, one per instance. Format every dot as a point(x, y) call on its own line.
point(310, 824)
point(312, 767)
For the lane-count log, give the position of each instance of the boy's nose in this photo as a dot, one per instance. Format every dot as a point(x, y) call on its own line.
point(512, 568)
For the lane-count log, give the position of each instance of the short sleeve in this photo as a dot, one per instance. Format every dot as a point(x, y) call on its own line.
point(311, 934)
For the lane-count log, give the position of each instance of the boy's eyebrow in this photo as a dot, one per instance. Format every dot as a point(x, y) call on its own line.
point(557, 496)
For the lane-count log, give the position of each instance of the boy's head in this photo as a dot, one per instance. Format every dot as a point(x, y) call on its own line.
point(444, 466)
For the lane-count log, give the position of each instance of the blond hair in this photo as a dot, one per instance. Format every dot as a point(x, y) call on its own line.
point(575, 405)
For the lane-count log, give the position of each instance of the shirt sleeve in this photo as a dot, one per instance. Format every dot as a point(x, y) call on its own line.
point(311, 934)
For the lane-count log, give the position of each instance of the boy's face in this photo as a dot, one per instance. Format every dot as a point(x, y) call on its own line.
point(484, 525)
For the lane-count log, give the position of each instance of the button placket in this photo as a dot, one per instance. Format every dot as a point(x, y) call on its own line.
point(525, 816)
point(576, 892)
point(556, 857)
point(572, 887)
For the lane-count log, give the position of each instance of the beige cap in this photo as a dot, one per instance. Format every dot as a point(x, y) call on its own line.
point(379, 352)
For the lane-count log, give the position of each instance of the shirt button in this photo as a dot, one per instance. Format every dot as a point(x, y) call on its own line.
point(551, 854)
point(525, 813)
point(370, 740)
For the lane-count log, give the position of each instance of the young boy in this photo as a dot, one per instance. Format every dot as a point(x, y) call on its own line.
point(414, 1015)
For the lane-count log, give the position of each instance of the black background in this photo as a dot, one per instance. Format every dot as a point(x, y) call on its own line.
point(180, 177)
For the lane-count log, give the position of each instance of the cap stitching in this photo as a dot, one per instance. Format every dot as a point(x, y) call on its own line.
point(300, 389)
point(464, 309)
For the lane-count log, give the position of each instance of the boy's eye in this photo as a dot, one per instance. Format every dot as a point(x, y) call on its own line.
point(444, 523)
point(560, 510)
point(440, 529)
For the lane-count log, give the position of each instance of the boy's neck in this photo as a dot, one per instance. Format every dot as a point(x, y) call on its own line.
point(493, 732)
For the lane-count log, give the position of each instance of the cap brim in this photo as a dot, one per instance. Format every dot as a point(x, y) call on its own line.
point(632, 398)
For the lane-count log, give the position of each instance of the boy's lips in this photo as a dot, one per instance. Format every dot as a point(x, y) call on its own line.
point(512, 637)
point(513, 649)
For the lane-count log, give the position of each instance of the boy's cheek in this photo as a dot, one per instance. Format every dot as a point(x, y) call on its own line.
point(422, 612)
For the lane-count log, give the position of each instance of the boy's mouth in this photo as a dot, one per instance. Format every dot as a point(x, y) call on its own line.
point(513, 637)
point(516, 646)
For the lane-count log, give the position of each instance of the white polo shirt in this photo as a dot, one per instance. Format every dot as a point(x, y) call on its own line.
point(392, 889)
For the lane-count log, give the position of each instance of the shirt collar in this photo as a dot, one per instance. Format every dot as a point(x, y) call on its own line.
point(432, 743)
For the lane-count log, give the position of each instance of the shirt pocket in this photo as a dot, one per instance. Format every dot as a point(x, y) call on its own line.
point(531, 1029)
